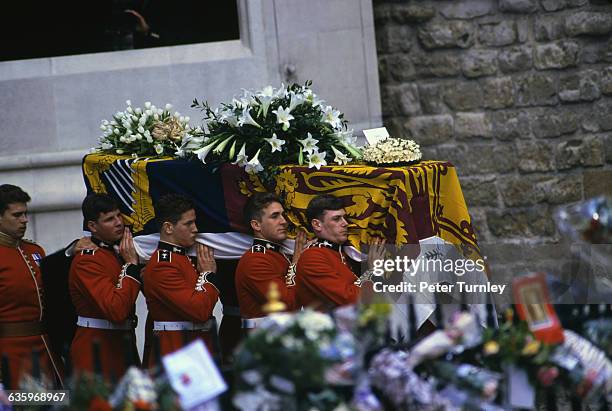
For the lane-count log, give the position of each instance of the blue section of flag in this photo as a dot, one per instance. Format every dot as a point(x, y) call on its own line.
point(200, 182)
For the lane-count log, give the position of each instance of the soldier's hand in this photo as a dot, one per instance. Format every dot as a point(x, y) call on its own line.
point(206, 259)
point(300, 242)
point(126, 248)
point(377, 251)
point(84, 243)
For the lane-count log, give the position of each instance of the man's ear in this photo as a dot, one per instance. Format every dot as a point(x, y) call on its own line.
point(167, 228)
point(316, 225)
point(92, 226)
point(255, 226)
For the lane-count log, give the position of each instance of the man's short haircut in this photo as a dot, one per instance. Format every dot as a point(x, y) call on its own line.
point(318, 205)
point(95, 204)
point(170, 208)
point(253, 210)
point(10, 194)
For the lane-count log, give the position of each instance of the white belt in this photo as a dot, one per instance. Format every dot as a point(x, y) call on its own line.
point(183, 325)
point(249, 323)
point(105, 324)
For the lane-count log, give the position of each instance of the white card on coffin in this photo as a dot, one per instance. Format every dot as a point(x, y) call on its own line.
point(374, 135)
point(193, 374)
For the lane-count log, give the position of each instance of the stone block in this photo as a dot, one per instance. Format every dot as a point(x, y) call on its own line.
point(597, 183)
point(394, 39)
point(518, 6)
point(522, 190)
point(478, 63)
point(606, 81)
point(409, 103)
point(498, 92)
point(437, 64)
point(478, 159)
point(576, 3)
point(548, 28)
point(557, 55)
point(400, 67)
point(588, 152)
point(588, 23)
point(469, 125)
point(427, 130)
point(466, 9)
point(388, 100)
point(600, 116)
point(402, 13)
point(511, 125)
point(553, 5)
point(534, 221)
point(562, 190)
point(536, 89)
point(534, 156)
point(449, 34)
point(463, 96)
point(550, 123)
point(497, 34)
point(480, 191)
point(515, 59)
point(431, 98)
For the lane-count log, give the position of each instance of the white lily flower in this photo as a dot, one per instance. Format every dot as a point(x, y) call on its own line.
point(340, 158)
point(283, 117)
point(160, 111)
point(130, 109)
point(106, 146)
point(168, 107)
point(158, 148)
point(247, 119)
point(147, 104)
point(229, 118)
point(265, 97)
point(128, 102)
point(309, 143)
point(149, 139)
point(116, 131)
point(155, 116)
point(138, 110)
point(275, 142)
point(119, 151)
point(141, 129)
point(296, 100)
point(187, 118)
point(123, 139)
point(149, 112)
point(138, 136)
point(102, 127)
point(241, 158)
point(254, 166)
point(316, 159)
point(134, 118)
point(332, 117)
point(221, 146)
point(203, 152)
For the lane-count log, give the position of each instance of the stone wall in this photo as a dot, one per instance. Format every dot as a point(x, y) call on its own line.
point(518, 95)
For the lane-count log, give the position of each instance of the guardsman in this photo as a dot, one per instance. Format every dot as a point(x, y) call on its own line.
point(324, 277)
point(104, 284)
point(265, 262)
point(21, 294)
point(180, 292)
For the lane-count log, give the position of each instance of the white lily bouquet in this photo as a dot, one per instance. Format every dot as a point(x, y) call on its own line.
point(392, 151)
point(267, 128)
point(148, 131)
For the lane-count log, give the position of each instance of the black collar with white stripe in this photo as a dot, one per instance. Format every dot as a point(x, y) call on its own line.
point(261, 245)
point(102, 244)
point(162, 245)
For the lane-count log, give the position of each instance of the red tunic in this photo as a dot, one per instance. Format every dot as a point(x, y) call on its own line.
point(22, 300)
point(324, 279)
point(98, 290)
point(174, 292)
point(263, 264)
